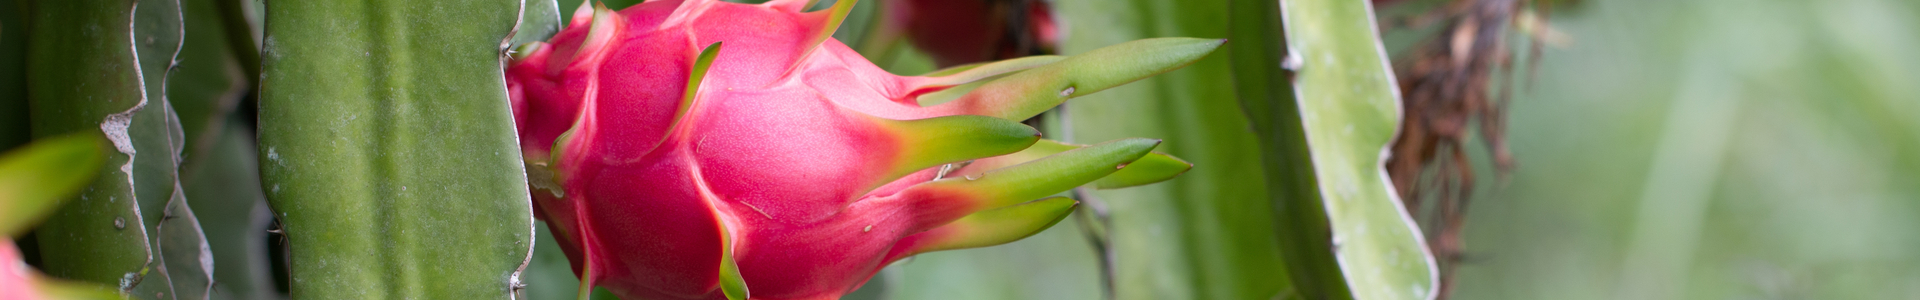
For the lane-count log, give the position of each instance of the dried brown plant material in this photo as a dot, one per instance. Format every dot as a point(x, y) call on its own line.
point(1460, 77)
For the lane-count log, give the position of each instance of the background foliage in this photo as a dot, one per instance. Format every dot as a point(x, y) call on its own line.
point(1711, 150)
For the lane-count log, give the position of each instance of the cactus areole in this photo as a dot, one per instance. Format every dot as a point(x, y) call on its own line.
point(708, 150)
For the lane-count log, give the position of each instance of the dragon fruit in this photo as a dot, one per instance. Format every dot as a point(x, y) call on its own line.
point(701, 149)
point(15, 280)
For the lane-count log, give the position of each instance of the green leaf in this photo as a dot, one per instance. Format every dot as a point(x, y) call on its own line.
point(67, 290)
point(85, 75)
point(930, 142)
point(205, 88)
point(996, 226)
point(1350, 110)
point(1150, 169)
point(1022, 95)
point(1155, 167)
point(158, 141)
point(983, 70)
point(39, 177)
point(1267, 97)
point(1043, 177)
point(233, 213)
point(389, 148)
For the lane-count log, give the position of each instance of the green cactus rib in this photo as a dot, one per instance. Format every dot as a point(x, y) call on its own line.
point(179, 246)
point(186, 257)
point(388, 150)
point(233, 213)
point(1267, 98)
point(1349, 111)
point(101, 65)
point(207, 85)
point(216, 238)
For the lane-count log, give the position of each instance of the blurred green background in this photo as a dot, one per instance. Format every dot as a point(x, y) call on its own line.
point(1713, 149)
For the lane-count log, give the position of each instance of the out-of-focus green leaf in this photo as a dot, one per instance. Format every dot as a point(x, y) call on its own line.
point(85, 75)
point(38, 178)
point(1350, 110)
point(24, 282)
point(1267, 97)
point(64, 290)
point(158, 142)
point(233, 211)
point(389, 151)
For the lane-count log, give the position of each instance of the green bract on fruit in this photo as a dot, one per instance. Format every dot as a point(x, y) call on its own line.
point(703, 149)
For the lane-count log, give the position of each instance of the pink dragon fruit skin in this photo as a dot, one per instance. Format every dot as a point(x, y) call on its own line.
point(15, 279)
point(701, 149)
